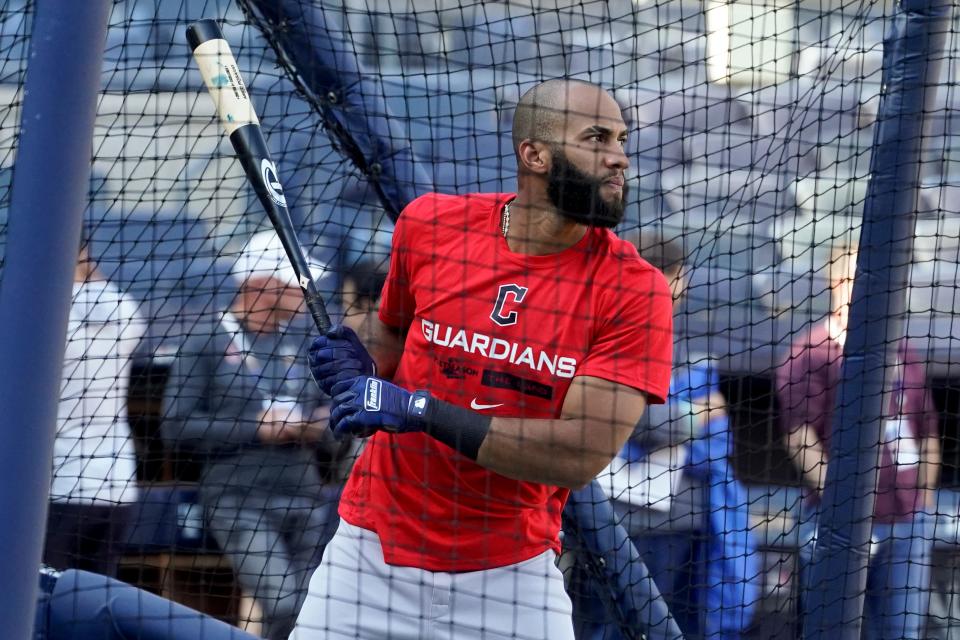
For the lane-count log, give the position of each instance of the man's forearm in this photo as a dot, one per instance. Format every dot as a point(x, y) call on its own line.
point(930, 460)
point(806, 452)
point(556, 452)
point(596, 418)
point(814, 467)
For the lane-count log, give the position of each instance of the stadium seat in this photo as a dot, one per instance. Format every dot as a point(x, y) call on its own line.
point(169, 552)
point(790, 123)
point(455, 127)
point(826, 199)
point(645, 207)
point(933, 288)
point(455, 44)
point(720, 318)
point(168, 519)
point(723, 148)
point(363, 227)
point(843, 62)
point(152, 258)
point(706, 108)
point(940, 200)
point(306, 160)
point(681, 51)
point(501, 38)
point(652, 144)
point(160, 151)
point(941, 133)
point(588, 61)
point(785, 292)
point(701, 197)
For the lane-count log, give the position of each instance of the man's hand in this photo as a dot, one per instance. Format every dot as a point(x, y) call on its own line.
point(806, 450)
point(338, 356)
point(277, 427)
point(274, 428)
point(367, 405)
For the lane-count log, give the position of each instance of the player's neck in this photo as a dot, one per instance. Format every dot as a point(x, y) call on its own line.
point(536, 228)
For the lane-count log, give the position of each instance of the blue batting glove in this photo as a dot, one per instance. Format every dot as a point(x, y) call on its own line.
point(338, 356)
point(367, 405)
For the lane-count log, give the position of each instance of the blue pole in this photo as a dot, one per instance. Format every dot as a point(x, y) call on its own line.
point(50, 183)
point(837, 580)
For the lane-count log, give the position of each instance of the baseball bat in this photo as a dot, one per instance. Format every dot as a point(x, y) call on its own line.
point(222, 78)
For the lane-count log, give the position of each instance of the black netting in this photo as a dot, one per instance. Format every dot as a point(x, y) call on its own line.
point(193, 456)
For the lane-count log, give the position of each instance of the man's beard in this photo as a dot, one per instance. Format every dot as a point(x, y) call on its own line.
point(577, 195)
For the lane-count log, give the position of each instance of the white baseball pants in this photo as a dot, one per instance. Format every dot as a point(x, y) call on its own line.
point(354, 595)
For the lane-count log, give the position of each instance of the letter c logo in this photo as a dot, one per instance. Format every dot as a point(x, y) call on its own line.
point(508, 297)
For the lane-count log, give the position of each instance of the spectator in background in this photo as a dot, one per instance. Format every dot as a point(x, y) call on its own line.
point(899, 570)
point(239, 396)
point(360, 294)
point(94, 463)
point(674, 490)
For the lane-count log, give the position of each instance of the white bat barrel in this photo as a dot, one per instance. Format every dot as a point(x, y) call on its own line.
point(221, 75)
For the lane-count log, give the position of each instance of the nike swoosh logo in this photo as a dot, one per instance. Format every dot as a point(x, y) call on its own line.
point(480, 407)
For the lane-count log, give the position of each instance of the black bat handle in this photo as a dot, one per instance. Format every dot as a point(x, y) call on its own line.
point(317, 308)
point(255, 158)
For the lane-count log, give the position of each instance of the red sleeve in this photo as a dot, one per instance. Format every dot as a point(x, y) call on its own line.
point(635, 347)
point(801, 392)
point(397, 304)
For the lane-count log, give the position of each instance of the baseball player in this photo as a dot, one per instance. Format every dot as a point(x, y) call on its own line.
point(518, 343)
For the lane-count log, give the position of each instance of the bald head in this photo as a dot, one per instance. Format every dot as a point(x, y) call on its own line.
point(544, 110)
point(569, 138)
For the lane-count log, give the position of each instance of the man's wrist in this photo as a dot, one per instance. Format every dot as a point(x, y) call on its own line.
point(460, 429)
point(417, 408)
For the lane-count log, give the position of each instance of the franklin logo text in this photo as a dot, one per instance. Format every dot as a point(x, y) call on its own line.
point(371, 395)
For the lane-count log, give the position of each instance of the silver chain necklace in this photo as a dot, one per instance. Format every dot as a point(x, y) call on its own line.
point(505, 220)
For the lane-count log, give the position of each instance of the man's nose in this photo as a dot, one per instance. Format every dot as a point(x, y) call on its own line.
point(617, 158)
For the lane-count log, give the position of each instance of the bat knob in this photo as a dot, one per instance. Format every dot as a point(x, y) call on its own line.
point(202, 31)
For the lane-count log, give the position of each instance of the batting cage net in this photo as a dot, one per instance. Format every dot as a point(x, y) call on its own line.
point(194, 459)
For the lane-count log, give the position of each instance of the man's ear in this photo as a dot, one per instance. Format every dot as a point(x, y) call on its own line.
point(534, 157)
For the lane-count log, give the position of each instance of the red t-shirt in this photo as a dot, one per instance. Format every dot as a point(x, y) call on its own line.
point(503, 333)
